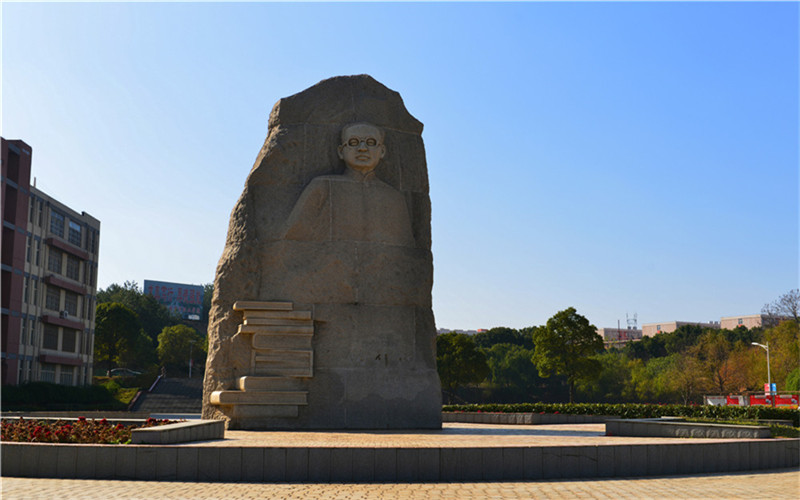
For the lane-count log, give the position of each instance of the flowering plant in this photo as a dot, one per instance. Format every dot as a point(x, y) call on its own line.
point(71, 431)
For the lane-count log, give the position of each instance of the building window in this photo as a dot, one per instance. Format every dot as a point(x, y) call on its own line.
point(68, 340)
point(48, 373)
point(35, 298)
point(25, 289)
point(75, 233)
point(66, 375)
point(23, 336)
point(38, 251)
point(53, 299)
point(50, 337)
point(741, 321)
point(71, 303)
point(33, 209)
point(41, 212)
point(28, 251)
point(56, 223)
point(54, 260)
point(33, 332)
point(73, 268)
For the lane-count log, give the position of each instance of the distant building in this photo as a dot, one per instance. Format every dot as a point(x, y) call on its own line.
point(650, 329)
point(467, 332)
point(749, 321)
point(179, 298)
point(49, 280)
point(618, 337)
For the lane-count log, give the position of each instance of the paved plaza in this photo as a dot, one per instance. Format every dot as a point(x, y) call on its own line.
point(773, 484)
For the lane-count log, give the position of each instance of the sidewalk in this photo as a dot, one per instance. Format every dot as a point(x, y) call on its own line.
point(774, 484)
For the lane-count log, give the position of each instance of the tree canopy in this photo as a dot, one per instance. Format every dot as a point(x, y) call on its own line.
point(565, 346)
point(116, 333)
point(175, 343)
point(459, 361)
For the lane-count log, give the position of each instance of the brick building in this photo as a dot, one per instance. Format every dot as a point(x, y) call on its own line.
point(49, 280)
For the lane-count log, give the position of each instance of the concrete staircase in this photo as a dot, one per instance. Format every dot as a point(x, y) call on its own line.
point(173, 395)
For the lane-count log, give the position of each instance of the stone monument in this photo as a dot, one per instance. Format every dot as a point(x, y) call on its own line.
point(321, 316)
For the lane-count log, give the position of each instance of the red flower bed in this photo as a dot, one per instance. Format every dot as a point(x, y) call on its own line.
point(70, 431)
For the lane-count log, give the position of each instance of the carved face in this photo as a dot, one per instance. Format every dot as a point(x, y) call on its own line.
point(362, 148)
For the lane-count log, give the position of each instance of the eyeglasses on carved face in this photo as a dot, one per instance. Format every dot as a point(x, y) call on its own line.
point(354, 142)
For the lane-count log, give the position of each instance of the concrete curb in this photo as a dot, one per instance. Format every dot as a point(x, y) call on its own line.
point(329, 464)
point(654, 427)
point(180, 432)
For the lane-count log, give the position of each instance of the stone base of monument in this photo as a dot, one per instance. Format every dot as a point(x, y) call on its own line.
point(281, 363)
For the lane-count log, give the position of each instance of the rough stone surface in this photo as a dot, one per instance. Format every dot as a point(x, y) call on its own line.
point(355, 254)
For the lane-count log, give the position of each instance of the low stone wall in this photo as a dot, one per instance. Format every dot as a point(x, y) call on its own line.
point(654, 427)
point(209, 463)
point(469, 417)
point(180, 432)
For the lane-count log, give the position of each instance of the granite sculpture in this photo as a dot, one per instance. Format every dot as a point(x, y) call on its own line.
point(321, 316)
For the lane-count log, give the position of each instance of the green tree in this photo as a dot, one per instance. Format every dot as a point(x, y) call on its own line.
point(501, 335)
point(613, 382)
point(784, 351)
point(565, 346)
point(208, 294)
point(511, 368)
point(175, 343)
point(153, 316)
point(115, 334)
point(459, 361)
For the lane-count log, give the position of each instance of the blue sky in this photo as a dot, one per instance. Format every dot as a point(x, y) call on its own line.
point(614, 157)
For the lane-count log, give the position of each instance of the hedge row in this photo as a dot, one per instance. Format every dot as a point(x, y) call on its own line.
point(633, 410)
point(44, 396)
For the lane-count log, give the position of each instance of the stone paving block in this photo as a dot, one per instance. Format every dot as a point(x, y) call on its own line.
point(449, 464)
point(622, 461)
point(638, 460)
point(105, 462)
point(10, 460)
point(252, 464)
point(669, 458)
point(605, 461)
point(275, 464)
point(552, 465)
point(492, 459)
point(428, 464)
point(146, 457)
point(28, 459)
point(775, 454)
point(48, 461)
point(188, 461)
point(655, 459)
point(319, 465)
point(763, 456)
point(385, 464)
point(125, 467)
point(167, 464)
point(513, 464)
point(587, 461)
point(363, 460)
point(230, 464)
point(208, 464)
point(407, 463)
point(342, 464)
point(532, 462)
point(690, 459)
point(297, 464)
point(472, 463)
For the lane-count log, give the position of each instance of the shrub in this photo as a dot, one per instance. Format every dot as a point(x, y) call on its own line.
point(634, 410)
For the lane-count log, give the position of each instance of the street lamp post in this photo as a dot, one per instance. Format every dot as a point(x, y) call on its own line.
point(769, 378)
